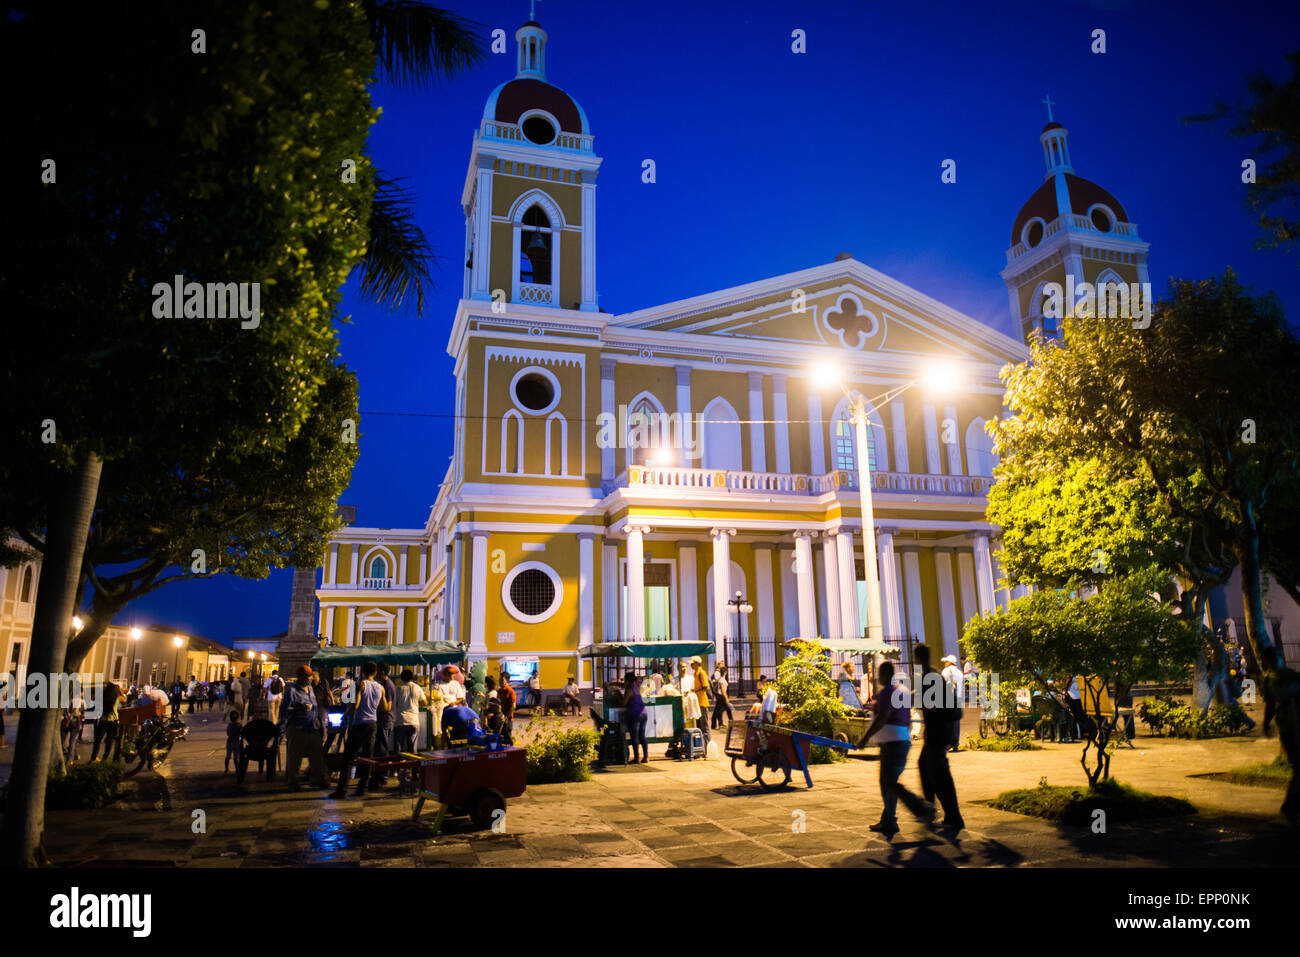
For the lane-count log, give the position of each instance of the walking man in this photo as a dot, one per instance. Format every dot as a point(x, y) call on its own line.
point(890, 725)
point(720, 701)
point(274, 688)
point(361, 735)
point(937, 711)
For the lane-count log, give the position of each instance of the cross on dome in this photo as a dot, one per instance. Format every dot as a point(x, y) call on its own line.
point(1048, 101)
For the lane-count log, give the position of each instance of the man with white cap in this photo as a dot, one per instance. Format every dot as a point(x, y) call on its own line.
point(952, 677)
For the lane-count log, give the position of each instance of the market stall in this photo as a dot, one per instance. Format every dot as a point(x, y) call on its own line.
point(665, 720)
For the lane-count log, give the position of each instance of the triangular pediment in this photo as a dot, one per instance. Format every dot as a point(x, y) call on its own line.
point(844, 305)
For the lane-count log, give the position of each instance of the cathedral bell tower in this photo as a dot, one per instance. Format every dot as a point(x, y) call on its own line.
point(530, 193)
point(1069, 232)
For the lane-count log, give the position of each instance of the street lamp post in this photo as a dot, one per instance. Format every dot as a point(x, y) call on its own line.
point(939, 376)
point(740, 607)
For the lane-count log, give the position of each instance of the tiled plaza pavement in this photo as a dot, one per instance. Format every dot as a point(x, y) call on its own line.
point(685, 815)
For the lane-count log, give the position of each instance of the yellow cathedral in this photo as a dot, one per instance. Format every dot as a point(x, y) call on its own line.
point(620, 477)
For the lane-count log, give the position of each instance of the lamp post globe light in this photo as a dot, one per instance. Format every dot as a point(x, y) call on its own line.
point(940, 376)
point(740, 607)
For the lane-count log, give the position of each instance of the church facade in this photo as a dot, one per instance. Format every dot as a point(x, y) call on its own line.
point(625, 476)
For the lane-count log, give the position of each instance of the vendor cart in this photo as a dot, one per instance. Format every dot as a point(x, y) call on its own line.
point(665, 716)
point(464, 781)
point(756, 747)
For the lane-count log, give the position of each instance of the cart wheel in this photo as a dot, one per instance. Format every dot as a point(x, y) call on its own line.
point(736, 765)
point(776, 763)
point(1000, 725)
point(484, 804)
point(984, 727)
point(841, 736)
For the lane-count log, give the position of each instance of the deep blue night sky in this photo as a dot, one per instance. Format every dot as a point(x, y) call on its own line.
point(769, 162)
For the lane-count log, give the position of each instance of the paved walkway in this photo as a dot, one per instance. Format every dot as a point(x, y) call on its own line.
point(669, 813)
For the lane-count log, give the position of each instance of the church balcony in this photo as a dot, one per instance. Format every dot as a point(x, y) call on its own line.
point(1077, 223)
point(512, 132)
point(376, 583)
point(640, 477)
point(534, 292)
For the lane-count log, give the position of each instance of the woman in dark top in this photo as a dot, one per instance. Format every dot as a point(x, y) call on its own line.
point(634, 716)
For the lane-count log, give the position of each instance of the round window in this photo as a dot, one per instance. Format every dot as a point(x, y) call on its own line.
point(1101, 219)
point(532, 592)
point(534, 392)
point(539, 130)
point(1034, 234)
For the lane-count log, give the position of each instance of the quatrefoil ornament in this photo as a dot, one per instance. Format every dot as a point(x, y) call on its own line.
point(853, 325)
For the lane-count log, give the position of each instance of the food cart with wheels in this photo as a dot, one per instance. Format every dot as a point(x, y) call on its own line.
point(413, 654)
point(852, 727)
point(756, 748)
point(665, 718)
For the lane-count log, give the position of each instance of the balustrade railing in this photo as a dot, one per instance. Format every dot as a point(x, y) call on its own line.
point(726, 480)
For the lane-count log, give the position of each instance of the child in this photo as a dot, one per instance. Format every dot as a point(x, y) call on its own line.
point(233, 731)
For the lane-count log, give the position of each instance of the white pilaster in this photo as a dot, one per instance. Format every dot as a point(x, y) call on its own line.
point(850, 621)
point(327, 623)
point(686, 418)
point(636, 582)
point(455, 627)
point(588, 302)
point(912, 592)
point(953, 448)
point(688, 601)
point(831, 564)
point(780, 426)
point(482, 213)
point(350, 634)
point(478, 596)
point(890, 609)
point(947, 604)
point(933, 464)
point(984, 574)
point(757, 444)
point(419, 624)
point(356, 565)
point(607, 455)
point(399, 632)
point(803, 571)
point(609, 599)
point(401, 565)
point(333, 576)
point(785, 560)
point(898, 422)
point(424, 565)
point(761, 597)
point(816, 431)
point(586, 589)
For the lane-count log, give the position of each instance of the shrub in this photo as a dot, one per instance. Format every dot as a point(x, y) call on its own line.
point(81, 786)
point(1075, 805)
point(1011, 741)
point(1165, 716)
point(556, 755)
point(811, 698)
point(1269, 774)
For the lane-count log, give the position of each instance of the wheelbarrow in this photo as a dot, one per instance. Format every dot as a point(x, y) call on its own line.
point(756, 748)
point(470, 781)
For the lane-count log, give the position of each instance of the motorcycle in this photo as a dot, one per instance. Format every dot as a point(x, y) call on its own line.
point(150, 746)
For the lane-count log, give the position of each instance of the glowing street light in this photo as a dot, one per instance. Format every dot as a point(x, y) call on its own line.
point(76, 622)
point(135, 634)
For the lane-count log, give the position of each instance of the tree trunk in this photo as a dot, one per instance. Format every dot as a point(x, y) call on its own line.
point(1252, 595)
point(67, 528)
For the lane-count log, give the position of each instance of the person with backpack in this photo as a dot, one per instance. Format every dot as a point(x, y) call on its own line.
point(274, 688)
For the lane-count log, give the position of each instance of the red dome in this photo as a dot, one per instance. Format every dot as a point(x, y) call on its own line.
point(1083, 194)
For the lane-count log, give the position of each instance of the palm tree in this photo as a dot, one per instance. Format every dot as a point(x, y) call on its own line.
point(416, 45)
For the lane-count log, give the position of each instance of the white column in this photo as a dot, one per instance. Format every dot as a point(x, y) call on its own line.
point(350, 635)
point(816, 429)
point(609, 598)
point(947, 604)
point(399, 628)
point(686, 418)
point(478, 596)
point(984, 574)
point(483, 230)
point(780, 426)
point(586, 589)
point(953, 448)
point(356, 564)
point(761, 596)
point(455, 628)
point(608, 466)
point(966, 581)
point(721, 588)
point(401, 565)
point(819, 591)
point(785, 559)
point(890, 610)
point(933, 464)
point(635, 582)
point(327, 622)
point(757, 445)
point(588, 302)
point(831, 563)
point(912, 592)
point(332, 576)
point(419, 624)
point(850, 622)
point(898, 421)
point(803, 571)
point(688, 601)
point(424, 565)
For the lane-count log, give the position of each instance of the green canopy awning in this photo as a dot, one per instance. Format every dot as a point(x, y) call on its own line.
point(850, 646)
point(410, 653)
point(646, 649)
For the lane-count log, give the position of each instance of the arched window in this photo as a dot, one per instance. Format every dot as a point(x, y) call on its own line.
point(721, 439)
point(378, 567)
point(844, 440)
point(535, 243)
point(979, 449)
point(512, 443)
point(557, 444)
point(1113, 296)
point(645, 431)
point(25, 593)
